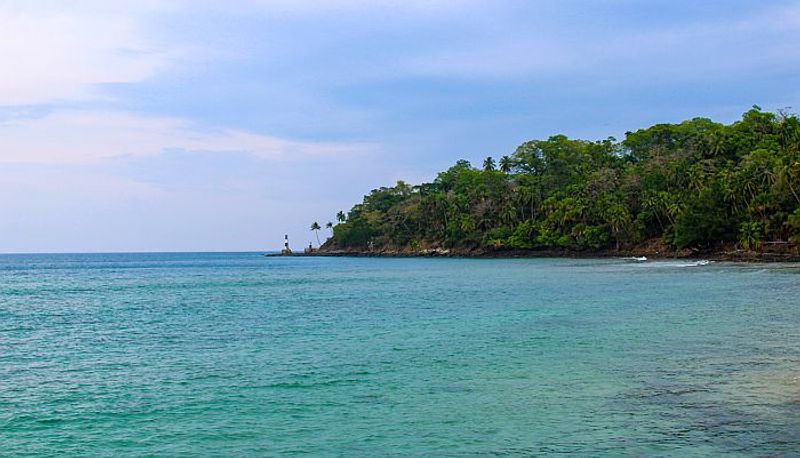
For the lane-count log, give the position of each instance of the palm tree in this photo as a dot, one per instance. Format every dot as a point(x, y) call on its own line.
point(716, 144)
point(488, 164)
point(329, 225)
point(618, 218)
point(696, 177)
point(750, 235)
point(508, 214)
point(787, 172)
point(506, 163)
point(315, 228)
point(340, 217)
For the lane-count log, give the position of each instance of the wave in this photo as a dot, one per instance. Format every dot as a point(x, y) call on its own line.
point(664, 263)
point(680, 264)
point(698, 263)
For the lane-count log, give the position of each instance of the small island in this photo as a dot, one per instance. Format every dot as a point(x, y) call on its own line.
point(698, 188)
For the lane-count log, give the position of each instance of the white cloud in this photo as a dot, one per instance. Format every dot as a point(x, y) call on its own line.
point(58, 53)
point(318, 7)
point(75, 137)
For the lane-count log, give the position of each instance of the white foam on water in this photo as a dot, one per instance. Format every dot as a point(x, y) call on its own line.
point(677, 264)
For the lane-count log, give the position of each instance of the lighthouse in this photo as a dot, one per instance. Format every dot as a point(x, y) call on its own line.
point(286, 249)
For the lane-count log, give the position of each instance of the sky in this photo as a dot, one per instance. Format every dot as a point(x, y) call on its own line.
point(154, 125)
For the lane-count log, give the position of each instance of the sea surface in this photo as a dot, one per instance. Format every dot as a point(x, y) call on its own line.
point(242, 355)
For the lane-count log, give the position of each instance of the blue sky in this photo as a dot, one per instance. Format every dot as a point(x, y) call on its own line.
point(173, 125)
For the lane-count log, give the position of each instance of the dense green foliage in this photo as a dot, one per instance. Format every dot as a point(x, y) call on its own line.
point(696, 184)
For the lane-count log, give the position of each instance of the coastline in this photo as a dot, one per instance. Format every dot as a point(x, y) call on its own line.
point(787, 254)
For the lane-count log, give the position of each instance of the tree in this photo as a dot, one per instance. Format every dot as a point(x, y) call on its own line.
point(750, 235)
point(506, 164)
point(315, 229)
point(329, 225)
point(704, 222)
point(793, 223)
point(618, 219)
point(690, 185)
point(787, 174)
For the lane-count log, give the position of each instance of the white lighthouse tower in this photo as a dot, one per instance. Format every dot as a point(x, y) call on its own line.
point(286, 249)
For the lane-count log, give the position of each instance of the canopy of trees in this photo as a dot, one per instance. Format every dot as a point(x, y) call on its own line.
point(697, 184)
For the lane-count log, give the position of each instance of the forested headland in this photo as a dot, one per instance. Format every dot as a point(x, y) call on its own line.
point(694, 186)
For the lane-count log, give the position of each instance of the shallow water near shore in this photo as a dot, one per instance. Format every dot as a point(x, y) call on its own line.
point(238, 354)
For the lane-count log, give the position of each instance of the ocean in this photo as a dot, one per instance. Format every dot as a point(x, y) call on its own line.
point(236, 354)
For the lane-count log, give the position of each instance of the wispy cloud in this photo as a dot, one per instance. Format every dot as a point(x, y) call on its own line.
point(78, 136)
point(61, 54)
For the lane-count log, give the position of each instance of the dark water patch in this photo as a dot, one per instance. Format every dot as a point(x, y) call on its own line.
point(682, 414)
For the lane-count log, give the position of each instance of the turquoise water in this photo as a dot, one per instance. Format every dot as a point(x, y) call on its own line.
point(241, 355)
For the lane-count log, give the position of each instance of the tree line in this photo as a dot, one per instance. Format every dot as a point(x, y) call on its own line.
point(696, 184)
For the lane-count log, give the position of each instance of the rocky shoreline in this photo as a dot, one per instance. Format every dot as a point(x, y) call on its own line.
point(784, 253)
